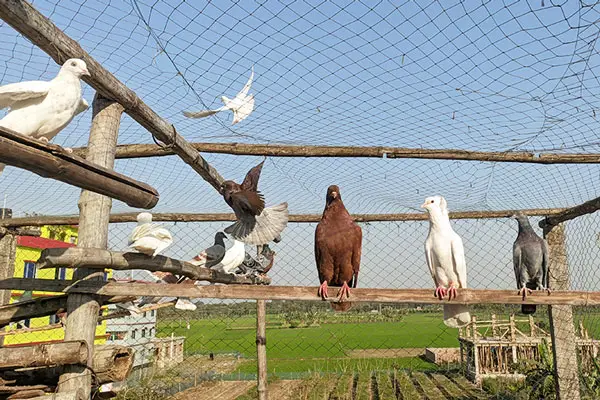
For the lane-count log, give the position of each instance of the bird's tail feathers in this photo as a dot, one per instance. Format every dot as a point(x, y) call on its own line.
point(528, 309)
point(2, 168)
point(341, 307)
point(267, 226)
point(183, 303)
point(456, 315)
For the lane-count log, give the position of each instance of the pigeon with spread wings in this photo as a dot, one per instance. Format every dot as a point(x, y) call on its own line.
point(256, 224)
point(241, 105)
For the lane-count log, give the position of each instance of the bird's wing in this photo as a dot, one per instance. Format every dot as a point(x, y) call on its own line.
point(545, 265)
point(214, 255)
point(15, 92)
point(243, 111)
point(429, 259)
point(204, 113)
point(458, 256)
point(149, 230)
point(356, 254)
point(519, 270)
point(252, 177)
point(248, 202)
point(246, 88)
point(82, 106)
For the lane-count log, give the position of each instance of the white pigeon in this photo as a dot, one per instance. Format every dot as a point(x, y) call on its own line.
point(41, 109)
point(241, 105)
point(149, 238)
point(219, 258)
point(445, 257)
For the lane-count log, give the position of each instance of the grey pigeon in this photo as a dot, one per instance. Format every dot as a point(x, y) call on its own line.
point(530, 260)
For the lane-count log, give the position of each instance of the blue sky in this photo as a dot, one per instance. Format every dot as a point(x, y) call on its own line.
point(492, 76)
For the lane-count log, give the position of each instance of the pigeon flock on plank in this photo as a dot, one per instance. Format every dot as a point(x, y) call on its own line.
point(40, 110)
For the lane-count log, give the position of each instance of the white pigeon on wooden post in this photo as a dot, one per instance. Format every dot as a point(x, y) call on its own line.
point(445, 257)
point(149, 238)
point(41, 109)
point(241, 105)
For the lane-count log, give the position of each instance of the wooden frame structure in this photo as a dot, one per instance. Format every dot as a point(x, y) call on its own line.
point(96, 177)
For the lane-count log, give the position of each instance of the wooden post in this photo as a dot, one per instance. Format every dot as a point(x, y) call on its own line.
point(261, 349)
point(494, 326)
point(562, 329)
point(513, 337)
point(8, 249)
point(44, 354)
point(531, 326)
point(94, 210)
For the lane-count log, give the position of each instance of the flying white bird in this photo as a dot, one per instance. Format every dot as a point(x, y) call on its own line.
point(42, 109)
point(149, 238)
point(445, 257)
point(241, 105)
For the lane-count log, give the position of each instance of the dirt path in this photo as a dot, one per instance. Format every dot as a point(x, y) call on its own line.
point(284, 390)
point(223, 390)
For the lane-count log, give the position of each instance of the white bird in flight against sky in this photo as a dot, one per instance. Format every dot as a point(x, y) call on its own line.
point(241, 105)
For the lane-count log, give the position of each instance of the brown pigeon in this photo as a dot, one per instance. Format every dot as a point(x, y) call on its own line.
point(338, 242)
point(256, 223)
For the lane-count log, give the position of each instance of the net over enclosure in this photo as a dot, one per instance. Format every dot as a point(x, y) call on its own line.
point(490, 105)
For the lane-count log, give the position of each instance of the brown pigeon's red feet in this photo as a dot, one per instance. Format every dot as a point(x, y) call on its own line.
point(451, 291)
point(323, 290)
point(440, 292)
point(524, 292)
point(345, 290)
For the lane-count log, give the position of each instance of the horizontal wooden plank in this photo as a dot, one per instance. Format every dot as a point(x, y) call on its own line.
point(307, 293)
point(298, 218)
point(52, 161)
point(44, 354)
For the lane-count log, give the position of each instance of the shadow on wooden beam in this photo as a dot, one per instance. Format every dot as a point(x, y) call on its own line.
point(52, 161)
point(77, 257)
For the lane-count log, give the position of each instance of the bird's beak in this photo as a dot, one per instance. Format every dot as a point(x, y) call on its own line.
point(424, 205)
point(334, 195)
point(85, 72)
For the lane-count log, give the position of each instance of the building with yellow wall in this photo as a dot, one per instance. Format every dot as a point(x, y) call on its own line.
point(29, 249)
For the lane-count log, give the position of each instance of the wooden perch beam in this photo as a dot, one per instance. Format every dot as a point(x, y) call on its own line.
point(52, 161)
point(44, 355)
point(26, 20)
point(299, 218)
point(45, 306)
point(302, 293)
point(588, 207)
point(76, 257)
point(274, 150)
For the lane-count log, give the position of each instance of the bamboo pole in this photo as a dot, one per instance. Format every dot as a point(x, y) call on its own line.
point(588, 207)
point(562, 328)
point(278, 150)
point(25, 19)
point(52, 161)
point(45, 354)
point(261, 350)
point(101, 258)
point(94, 210)
point(303, 293)
point(299, 218)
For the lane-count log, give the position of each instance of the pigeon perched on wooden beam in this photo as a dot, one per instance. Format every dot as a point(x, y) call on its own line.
point(221, 258)
point(445, 257)
point(338, 246)
point(41, 109)
point(530, 261)
point(241, 105)
point(262, 266)
point(149, 238)
point(256, 224)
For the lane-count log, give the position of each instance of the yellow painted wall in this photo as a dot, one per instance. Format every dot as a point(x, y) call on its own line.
point(24, 254)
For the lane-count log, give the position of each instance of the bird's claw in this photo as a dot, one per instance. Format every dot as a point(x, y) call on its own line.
point(43, 139)
point(524, 292)
point(345, 290)
point(452, 292)
point(440, 292)
point(549, 291)
point(68, 150)
point(323, 291)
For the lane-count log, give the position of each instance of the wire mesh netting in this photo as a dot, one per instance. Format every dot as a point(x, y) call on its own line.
point(495, 76)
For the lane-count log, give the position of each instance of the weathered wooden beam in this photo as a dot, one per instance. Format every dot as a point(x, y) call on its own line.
point(52, 161)
point(45, 306)
point(562, 327)
point(22, 392)
point(8, 251)
point(44, 355)
point(75, 395)
point(298, 218)
point(25, 19)
point(588, 207)
point(279, 150)
point(301, 293)
point(112, 363)
point(261, 350)
point(76, 257)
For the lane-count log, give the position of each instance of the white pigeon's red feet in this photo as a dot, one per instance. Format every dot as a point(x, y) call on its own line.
point(323, 290)
point(524, 292)
point(345, 290)
point(451, 291)
point(440, 292)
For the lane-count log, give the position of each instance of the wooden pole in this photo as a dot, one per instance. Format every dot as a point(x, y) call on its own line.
point(562, 329)
point(8, 249)
point(76, 257)
point(278, 150)
point(26, 20)
point(261, 350)
point(45, 354)
point(570, 213)
point(93, 232)
point(299, 218)
point(304, 293)
point(52, 161)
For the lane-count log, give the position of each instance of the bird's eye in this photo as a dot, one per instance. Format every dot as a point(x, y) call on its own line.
point(431, 201)
point(73, 64)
